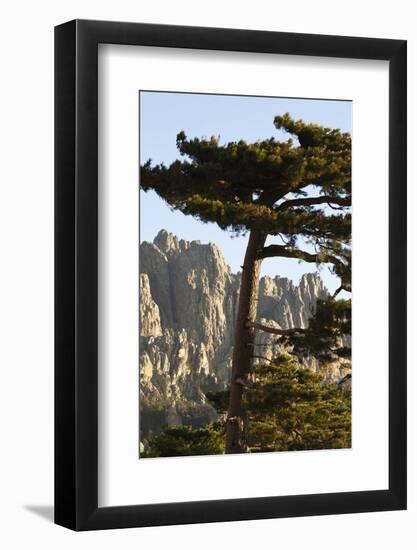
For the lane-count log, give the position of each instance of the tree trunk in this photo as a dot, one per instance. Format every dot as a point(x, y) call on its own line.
point(236, 426)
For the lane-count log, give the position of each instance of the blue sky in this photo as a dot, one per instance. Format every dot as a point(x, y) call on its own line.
point(163, 115)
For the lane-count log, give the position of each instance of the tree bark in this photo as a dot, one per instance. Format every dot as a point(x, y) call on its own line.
point(236, 425)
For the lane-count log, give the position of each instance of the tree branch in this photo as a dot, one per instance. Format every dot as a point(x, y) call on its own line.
point(272, 330)
point(336, 292)
point(274, 250)
point(263, 358)
point(311, 201)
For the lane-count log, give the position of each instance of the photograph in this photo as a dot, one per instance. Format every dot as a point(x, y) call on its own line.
point(208, 335)
point(245, 249)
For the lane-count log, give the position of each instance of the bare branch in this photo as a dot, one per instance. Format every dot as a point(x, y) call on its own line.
point(335, 207)
point(282, 239)
point(272, 330)
point(312, 201)
point(336, 292)
point(274, 250)
point(263, 358)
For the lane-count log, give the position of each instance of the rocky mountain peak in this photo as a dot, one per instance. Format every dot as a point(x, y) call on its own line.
point(166, 242)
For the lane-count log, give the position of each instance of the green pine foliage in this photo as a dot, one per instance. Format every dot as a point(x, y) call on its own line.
point(289, 408)
point(242, 185)
point(327, 331)
point(298, 189)
point(292, 409)
point(186, 441)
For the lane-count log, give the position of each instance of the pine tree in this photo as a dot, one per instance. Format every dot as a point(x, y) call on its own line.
point(289, 408)
point(298, 190)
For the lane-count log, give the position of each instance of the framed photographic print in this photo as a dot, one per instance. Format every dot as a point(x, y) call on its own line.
point(230, 275)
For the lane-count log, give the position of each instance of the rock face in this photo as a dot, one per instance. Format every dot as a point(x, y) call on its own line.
point(188, 303)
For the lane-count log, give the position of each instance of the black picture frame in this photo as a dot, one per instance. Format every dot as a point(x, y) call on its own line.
point(76, 272)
